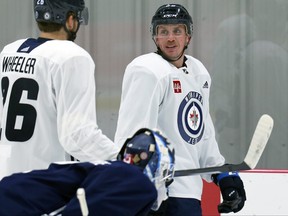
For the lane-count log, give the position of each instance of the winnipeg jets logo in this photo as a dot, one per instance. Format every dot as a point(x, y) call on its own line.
point(194, 118)
point(190, 118)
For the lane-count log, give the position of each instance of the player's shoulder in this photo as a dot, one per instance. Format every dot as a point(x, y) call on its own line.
point(62, 51)
point(192, 60)
point(150, 63)
point(150, 58)
point(13, 45)
point(196, 65)
point(68, 48)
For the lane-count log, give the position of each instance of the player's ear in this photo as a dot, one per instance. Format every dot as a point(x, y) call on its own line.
point(70, 22)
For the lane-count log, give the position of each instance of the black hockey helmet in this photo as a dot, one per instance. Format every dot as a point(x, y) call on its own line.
point(55, 11)
point(171, 14)
point(151, 152)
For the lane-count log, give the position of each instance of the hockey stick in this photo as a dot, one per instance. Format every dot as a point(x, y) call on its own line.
point(82, 201)
point(256, 148)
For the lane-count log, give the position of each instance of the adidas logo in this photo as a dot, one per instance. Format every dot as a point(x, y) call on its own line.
point(206, 85)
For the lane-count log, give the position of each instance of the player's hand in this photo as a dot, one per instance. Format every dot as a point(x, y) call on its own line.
point(232, 190)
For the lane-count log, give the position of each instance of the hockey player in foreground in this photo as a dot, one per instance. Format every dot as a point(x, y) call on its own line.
point(169, 90)
point(130, 186)
point(47, 84)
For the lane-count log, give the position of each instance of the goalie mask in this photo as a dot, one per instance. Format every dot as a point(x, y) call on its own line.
point(150, 151)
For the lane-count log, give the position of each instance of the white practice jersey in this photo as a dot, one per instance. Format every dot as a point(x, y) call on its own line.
point(156, 94)
point(48, 111)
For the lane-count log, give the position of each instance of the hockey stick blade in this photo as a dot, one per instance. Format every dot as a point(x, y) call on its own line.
point(259, 140)
point(257, 145)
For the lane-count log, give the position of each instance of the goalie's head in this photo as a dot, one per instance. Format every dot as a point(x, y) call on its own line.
point(151, 152)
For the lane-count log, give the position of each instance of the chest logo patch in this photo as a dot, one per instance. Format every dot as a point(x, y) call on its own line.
point(190, 118)
point(177, 86)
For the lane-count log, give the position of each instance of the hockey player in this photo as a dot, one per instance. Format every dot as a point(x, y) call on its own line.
point(47, 85)
point(111, 187)
point(169, 90)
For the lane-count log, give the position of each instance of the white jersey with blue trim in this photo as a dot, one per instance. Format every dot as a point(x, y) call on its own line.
point(156, 94)
point(48, 111)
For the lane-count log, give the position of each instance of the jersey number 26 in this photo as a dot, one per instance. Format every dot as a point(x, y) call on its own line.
point(20, 112)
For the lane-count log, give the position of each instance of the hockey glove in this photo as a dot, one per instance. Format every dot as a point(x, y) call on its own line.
point(232, 190)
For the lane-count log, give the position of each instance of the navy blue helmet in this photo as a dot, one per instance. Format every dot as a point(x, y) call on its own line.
point(55, 11)
point(171, 14)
